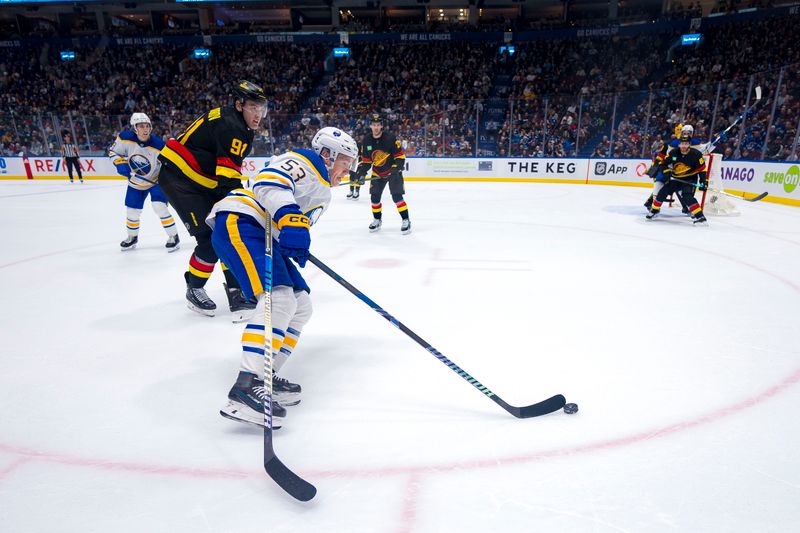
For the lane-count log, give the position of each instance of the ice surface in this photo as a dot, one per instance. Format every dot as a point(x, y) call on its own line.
point(679, 343)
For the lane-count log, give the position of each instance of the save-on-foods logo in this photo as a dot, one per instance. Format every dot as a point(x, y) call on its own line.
point(789, 179)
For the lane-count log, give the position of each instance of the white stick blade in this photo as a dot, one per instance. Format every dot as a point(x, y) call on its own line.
point(758, 92)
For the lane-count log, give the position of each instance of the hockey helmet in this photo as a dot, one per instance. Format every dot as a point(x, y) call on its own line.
point(337, 142)
point(140, 118)
point(247, 90)
point(687, 128)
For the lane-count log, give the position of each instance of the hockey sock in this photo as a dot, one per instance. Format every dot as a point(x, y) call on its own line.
point(656, 205)
point(377, 211)
point(167, 222)
point(230, 279)
point(284, 305)
point(132, 221)
point(402, 208)
point(657, 186)
point(300, 319)
point(199, 272)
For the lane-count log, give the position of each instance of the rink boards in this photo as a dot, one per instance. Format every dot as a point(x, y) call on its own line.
point(780, 180)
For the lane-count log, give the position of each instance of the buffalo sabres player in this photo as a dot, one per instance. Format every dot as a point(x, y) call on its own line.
point(293, 190)
point(135, 154)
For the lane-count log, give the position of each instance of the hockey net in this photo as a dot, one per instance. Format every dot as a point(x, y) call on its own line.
point(714, 202)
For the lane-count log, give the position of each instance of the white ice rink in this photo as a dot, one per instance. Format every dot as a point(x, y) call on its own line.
point(679, 343)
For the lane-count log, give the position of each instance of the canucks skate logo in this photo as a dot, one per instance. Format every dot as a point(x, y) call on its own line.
point(600, 168)
point(379, 157)
point(680, 169)
point(140, 165)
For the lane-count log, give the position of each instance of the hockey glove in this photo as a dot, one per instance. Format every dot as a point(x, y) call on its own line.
point(123, 169)
point(652, 171)
point(396, 173)
point(295, 238)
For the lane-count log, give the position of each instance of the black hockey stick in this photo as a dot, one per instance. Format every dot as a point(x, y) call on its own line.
point(280, 473)
point(698, 186)
point(753, 199)
point(542, 408)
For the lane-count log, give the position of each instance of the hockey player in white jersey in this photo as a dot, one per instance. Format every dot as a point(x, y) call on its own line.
point(135, 154)
point(294, 190)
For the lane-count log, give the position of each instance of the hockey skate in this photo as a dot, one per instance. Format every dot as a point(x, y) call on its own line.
point(699, 219)
point(350, 194)
point(129, 243)
point(375, 225)
point(651, 214)
point(241, 308)
point(173, 244)
point(405, 227)
point(356, 193)
point(284, 391)
point(245, 402)
point(198, 300)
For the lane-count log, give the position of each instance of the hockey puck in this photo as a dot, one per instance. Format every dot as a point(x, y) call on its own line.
point(571, 408)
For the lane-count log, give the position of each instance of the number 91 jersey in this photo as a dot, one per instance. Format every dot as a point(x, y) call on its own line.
point(297, 178)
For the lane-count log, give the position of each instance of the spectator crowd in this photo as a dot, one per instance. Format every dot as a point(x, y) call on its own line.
point(605, 96)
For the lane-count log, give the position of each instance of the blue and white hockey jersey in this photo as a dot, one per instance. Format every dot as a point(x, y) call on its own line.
point(136, 160)
point(297, 178)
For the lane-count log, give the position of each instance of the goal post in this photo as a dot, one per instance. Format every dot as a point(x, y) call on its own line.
point(714, 202)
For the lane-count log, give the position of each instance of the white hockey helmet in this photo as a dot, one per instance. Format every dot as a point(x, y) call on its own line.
point(337, 142)
point(140, 118)
point(687, 129)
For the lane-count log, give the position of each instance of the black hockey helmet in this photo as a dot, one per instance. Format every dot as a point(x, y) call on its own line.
point(375, 118)
point(247, 90)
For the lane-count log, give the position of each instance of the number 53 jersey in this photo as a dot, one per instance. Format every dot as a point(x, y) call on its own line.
point(298, 177)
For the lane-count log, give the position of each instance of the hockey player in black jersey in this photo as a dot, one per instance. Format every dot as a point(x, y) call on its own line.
point(685, 170)
point(200, 168)
point(383, 152)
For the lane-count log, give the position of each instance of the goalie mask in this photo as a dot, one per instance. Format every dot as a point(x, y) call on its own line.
point(338, 143)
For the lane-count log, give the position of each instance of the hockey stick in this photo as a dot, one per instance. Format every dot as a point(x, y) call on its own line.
point(698, 186)
point(542, 408)
point(753, 199)
point(710, 147)
point(280, 473)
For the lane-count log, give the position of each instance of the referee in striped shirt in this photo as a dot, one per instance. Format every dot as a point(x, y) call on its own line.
point(70, 152)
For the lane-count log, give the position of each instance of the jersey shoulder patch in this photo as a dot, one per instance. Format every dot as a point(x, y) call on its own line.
point(156, 142)
point(128, 135)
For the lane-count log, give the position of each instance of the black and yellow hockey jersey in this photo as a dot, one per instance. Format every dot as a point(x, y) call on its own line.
point(688, 167)
point(212, 148)
point(382, 154)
